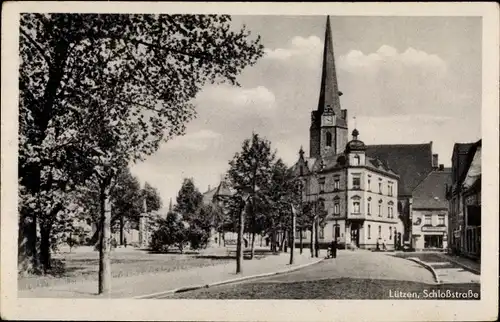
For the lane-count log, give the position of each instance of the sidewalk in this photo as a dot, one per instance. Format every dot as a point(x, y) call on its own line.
point(141, 285)
point(469, 264)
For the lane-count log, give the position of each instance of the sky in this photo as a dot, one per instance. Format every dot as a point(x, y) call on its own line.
point(404, 79)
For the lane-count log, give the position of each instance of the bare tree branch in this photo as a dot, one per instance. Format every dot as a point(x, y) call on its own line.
point(37, 46)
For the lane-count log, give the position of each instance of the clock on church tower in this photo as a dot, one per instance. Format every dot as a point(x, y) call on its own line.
point(328, 120)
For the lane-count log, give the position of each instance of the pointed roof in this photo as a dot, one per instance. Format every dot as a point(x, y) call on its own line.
point(329, 92)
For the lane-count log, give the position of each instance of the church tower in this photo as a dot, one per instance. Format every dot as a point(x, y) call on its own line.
point(328, 131)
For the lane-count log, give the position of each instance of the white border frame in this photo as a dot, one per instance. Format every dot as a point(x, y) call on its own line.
point(258, 310)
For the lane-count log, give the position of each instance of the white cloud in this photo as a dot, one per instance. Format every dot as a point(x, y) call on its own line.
point(197, 141)
point(299, 47)
point(232, 96)
point(387, 56)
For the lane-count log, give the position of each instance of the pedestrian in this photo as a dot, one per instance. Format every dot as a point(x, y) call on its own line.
point(384, 245)
point(125, 242)
point(334, 248)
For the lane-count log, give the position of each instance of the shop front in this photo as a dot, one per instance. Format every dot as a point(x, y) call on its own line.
point(434, 237)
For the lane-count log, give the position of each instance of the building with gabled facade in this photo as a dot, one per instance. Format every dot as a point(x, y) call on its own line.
point(464, 200)
point(430, 212)
point(358, 191)
point(358, 194)
point(353, 180)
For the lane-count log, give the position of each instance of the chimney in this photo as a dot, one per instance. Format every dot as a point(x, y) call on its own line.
point(434, 161)
point(441, 167)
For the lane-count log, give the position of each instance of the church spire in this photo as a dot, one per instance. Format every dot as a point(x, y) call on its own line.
point(329, 92)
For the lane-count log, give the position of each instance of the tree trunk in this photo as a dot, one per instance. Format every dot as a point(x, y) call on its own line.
point(280, 241)
point(292, 244)
point(45, 249)
point(239, 245)
point(27, 252)
point(312, 241)
point(122, 227)
point(316, 235)
point(252, 252)
point(105, 243)
point(301, 243)
point(286, 241)
point(273, 241)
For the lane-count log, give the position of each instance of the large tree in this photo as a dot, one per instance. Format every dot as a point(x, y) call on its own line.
point(115, 86)
point(250, 171)
point(152, 196)
point(189, 199)
point(283, 194)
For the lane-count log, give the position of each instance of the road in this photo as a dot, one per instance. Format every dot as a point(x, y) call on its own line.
point(352, 275)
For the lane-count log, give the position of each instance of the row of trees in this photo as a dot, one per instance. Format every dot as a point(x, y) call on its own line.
point(267, 199)
point(273, 197)
point(100, 91)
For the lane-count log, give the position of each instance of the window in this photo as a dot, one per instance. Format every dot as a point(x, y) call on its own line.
point(369, 207)
point(428, 220)
point(369, 232)
point(390, 232)
point(356, 182)
point(433, 241)
point(336, 208)
point(322, 232)
point(369, 184)
point(380, 187)
point(355, 206)
point(379, 231)
point(336, 231)
point(336, 184)
point(356, 159)
point(328, 139)
point(321, 183)
point(441, 220)
point(380, 210)
point(389, 188)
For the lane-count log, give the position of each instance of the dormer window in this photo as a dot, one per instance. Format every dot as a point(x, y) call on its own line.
point(356, 160)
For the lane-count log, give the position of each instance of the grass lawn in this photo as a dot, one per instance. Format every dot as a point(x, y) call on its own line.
point(341, 288)
point(83, 266)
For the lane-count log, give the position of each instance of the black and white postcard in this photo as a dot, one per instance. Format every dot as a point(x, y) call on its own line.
point(161, 159)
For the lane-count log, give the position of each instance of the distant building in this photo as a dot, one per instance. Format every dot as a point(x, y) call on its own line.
point(430, 212)
point(216, 196)
point(464, 197)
